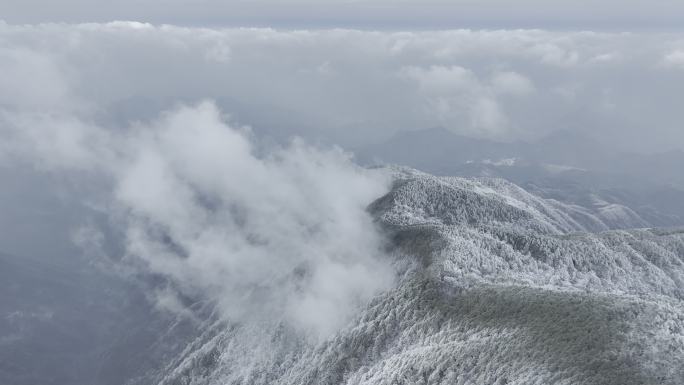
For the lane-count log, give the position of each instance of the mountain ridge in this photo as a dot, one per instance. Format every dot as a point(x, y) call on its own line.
point(567, 166)
point(494, 287)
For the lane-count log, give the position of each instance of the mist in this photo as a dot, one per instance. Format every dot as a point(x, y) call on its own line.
point(281, 235)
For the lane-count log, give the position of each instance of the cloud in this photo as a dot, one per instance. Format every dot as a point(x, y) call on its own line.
point(509, 82)
point(345, 86)
point(607, 57)
point(556, 55)
point(674, 59)
point(31, 80)
point(283, 235)
point(464, 102)
point(440, 80)
point(54, 142)
point(286, 230)
point(457, 97)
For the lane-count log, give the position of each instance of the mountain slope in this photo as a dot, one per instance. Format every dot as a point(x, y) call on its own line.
point(495, 286)
point(63, 321)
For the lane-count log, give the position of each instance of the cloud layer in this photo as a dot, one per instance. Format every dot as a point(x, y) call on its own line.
point(353, 87)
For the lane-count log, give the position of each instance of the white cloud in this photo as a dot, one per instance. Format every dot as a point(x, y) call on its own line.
point(283, 235)
point(465, 103)
point(553, 54)
point(509, 82)
point(239, 227)
point(607, 57)
point(486, 115)
point(674, 59)
point(341, 85)
point(456, 97)
point(440, 80)
point(31, 79)
point(54, 141)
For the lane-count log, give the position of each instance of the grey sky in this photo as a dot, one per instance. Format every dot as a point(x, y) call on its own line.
point(374, 14)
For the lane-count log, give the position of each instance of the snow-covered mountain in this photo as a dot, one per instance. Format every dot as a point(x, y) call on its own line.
point(494, 286)
point(624, 189)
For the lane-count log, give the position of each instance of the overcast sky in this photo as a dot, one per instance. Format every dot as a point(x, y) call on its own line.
point(370, 14)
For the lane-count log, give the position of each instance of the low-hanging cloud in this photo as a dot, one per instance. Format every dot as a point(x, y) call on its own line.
point(281, 235)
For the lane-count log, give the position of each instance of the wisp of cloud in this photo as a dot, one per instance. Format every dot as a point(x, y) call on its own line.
point(280, 233)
